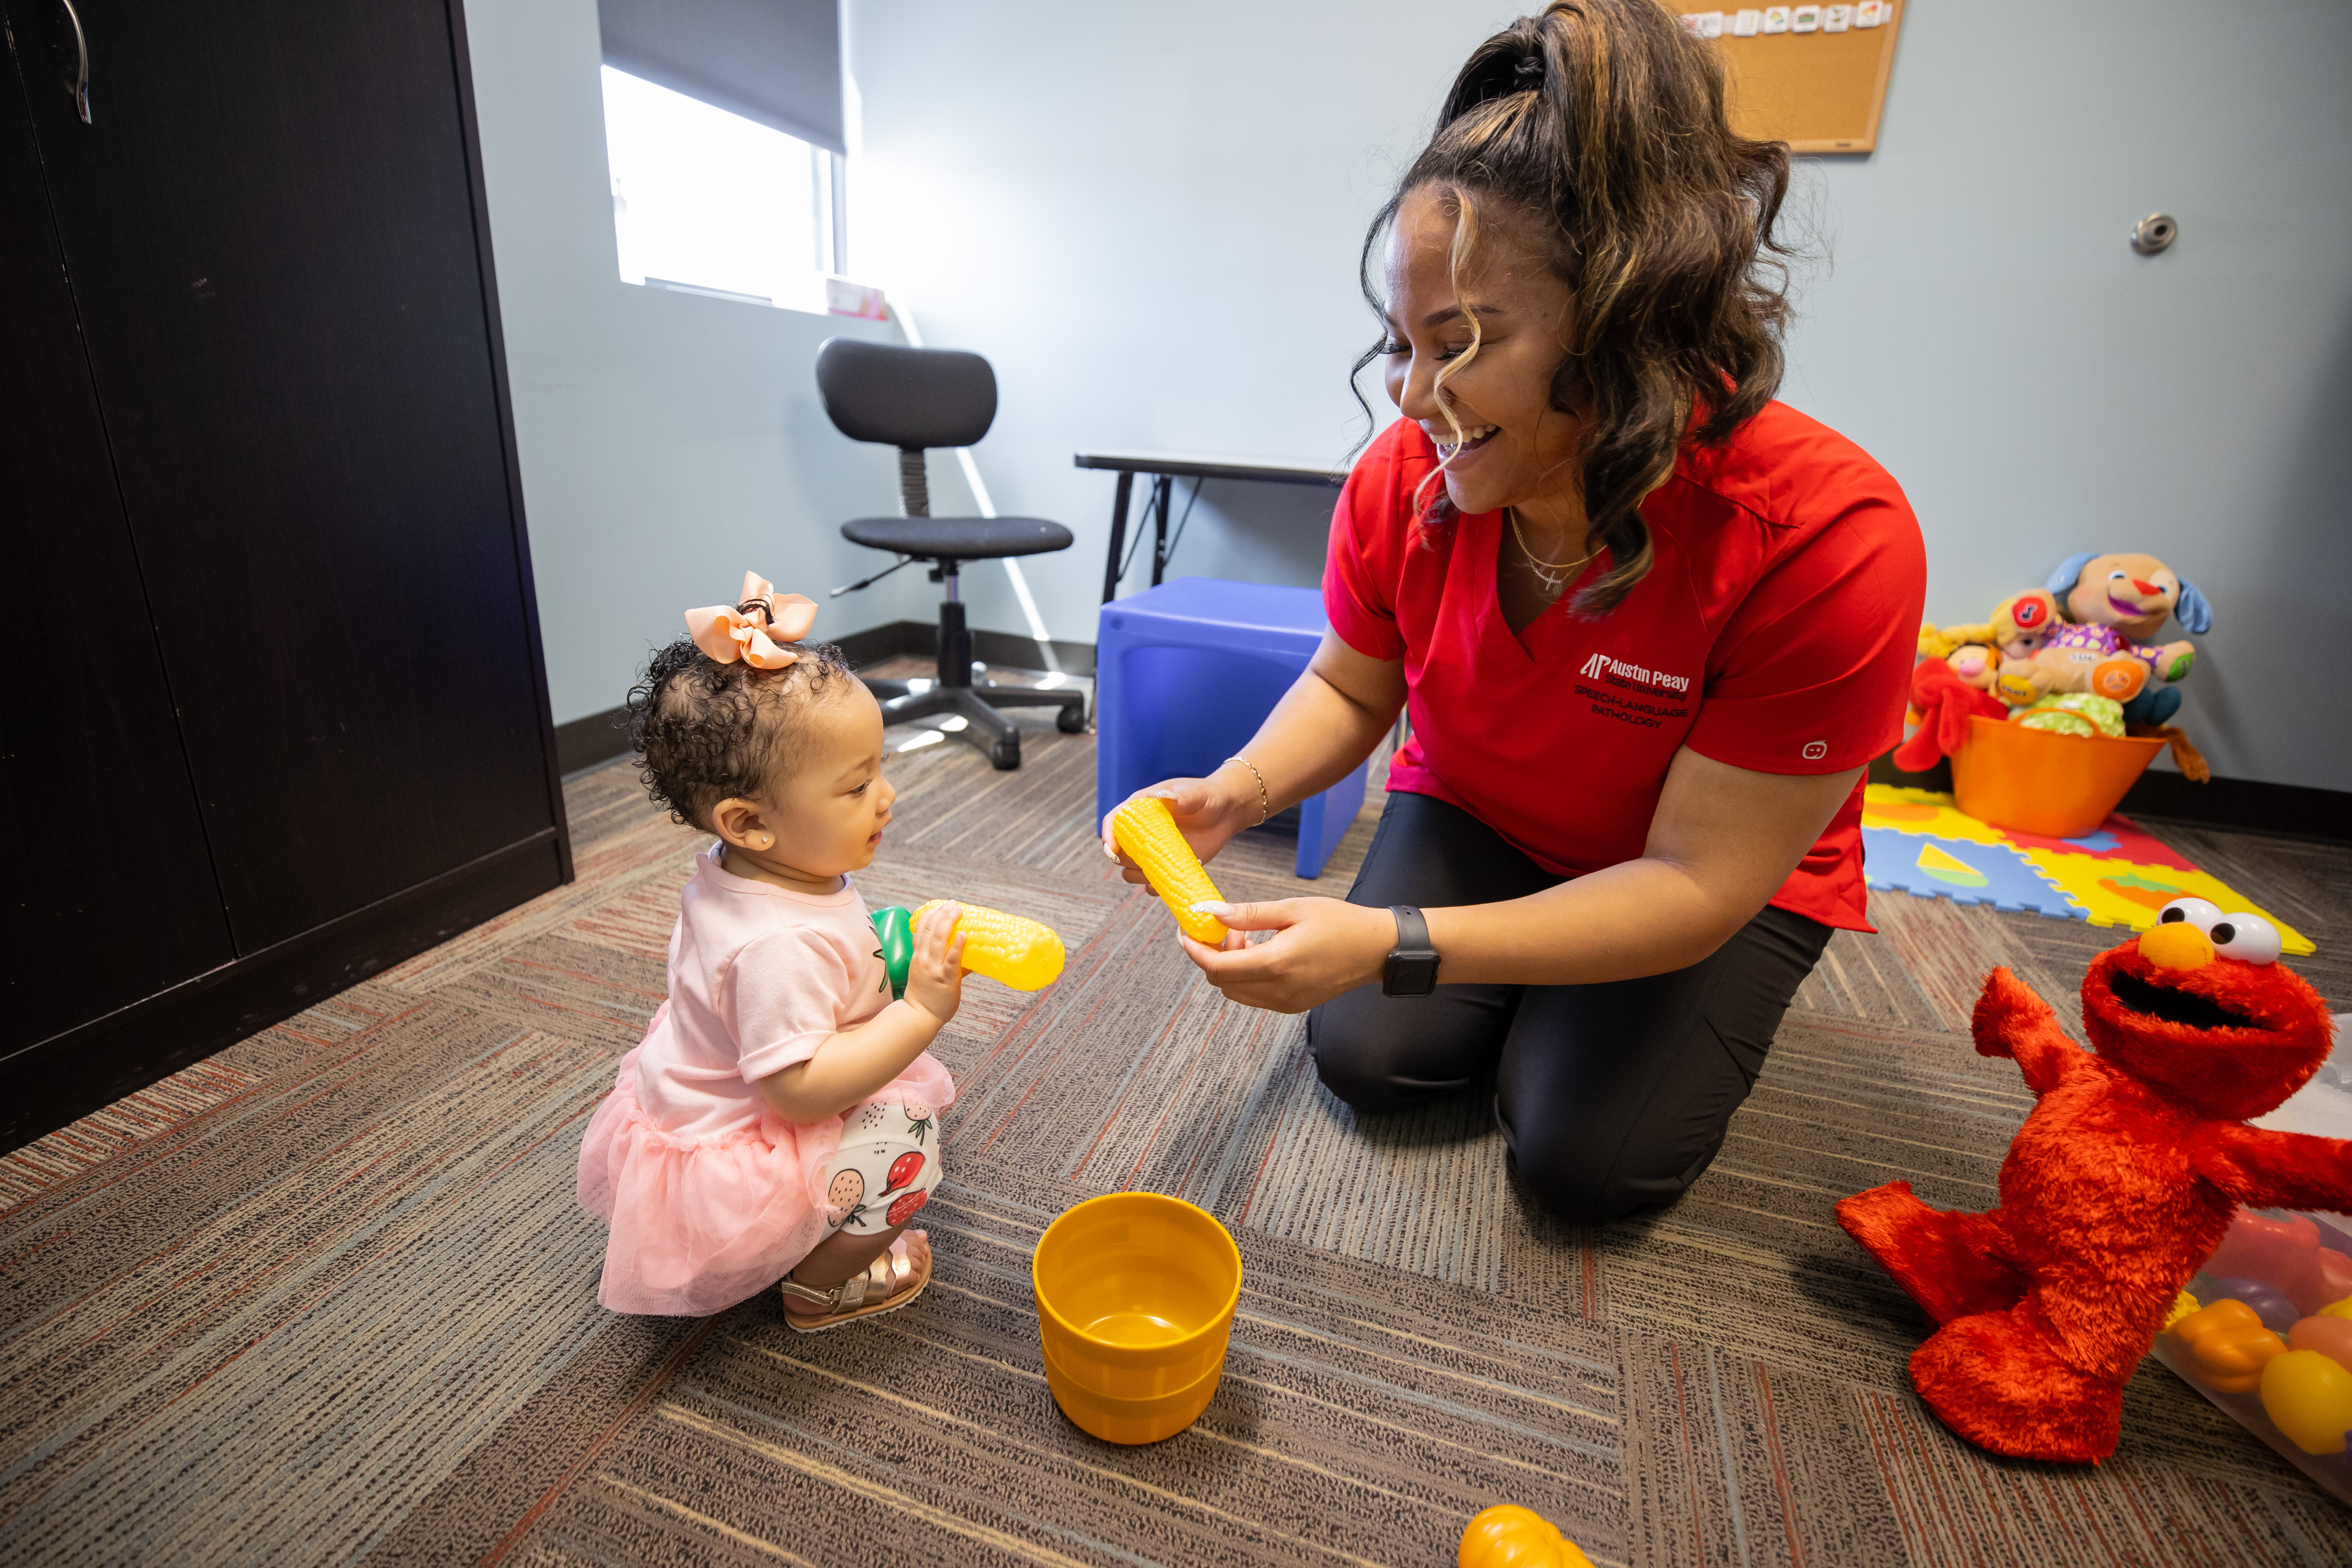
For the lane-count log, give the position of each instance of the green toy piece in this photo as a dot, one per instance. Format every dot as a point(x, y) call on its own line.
point(895, 930)
point(2074, 713)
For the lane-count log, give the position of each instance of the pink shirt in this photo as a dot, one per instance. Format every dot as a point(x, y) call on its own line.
point(759, 976)
point(710, 1195)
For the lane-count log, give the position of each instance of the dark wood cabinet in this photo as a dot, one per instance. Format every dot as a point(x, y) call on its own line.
point(278, 712)
point(110, 894)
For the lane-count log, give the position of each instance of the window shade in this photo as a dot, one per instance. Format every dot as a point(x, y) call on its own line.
point(775, 61)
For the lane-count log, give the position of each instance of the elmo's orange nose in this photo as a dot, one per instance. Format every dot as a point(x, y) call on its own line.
point(2178, 945)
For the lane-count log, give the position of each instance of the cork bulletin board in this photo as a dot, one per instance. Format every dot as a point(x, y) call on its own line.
point(1811, 76)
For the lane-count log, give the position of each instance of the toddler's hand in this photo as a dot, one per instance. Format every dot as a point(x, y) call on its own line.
point(935, 975)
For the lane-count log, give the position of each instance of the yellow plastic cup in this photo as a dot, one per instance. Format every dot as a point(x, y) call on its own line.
point(1130, 1420)
point(1136, 1294)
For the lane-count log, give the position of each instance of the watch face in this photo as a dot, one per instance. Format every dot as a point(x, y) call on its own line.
point(1410, 974)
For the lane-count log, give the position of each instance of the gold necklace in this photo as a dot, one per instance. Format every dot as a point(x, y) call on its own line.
point(1552, 573)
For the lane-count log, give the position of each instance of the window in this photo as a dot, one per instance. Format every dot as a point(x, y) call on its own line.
point(711, 203)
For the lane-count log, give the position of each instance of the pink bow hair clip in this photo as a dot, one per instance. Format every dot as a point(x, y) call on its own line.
point(753, 631)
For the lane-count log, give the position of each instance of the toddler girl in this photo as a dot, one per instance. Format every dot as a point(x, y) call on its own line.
point(777, 1120)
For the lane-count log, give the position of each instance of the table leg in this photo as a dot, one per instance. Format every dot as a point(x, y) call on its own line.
point(1159, 527)
point(1117, 535)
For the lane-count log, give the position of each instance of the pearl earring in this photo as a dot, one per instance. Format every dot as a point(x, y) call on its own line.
point(767, 841)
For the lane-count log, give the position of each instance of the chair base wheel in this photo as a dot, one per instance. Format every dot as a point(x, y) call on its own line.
point(1071, 720)
point(1005, 756)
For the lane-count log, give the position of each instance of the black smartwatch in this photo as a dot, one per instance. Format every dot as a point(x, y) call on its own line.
point(1411, 968)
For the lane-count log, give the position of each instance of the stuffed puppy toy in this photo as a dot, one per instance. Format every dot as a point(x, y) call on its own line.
point(2130, 597)
point(2120, 1183)
point(2092, 661)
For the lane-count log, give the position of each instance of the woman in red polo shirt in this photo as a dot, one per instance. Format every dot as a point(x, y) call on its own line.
point(1649, 626)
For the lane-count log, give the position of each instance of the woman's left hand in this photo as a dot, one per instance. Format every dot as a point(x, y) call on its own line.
point(1320, 948)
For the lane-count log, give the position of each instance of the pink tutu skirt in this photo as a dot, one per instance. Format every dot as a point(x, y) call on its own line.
point(700, 1224)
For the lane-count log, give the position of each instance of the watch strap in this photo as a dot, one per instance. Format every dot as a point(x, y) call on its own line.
point(1412, 966)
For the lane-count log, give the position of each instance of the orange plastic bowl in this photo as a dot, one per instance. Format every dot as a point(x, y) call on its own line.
point(2058, 786)
point(1136, 1294)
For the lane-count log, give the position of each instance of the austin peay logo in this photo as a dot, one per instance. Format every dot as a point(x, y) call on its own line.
point(1602, 665)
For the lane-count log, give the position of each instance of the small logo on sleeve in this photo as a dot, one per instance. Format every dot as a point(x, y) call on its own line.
point(1816, 750)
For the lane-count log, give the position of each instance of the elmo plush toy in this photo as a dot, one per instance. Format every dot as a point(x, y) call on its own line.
point(2118, 1185)
point(1945, 703)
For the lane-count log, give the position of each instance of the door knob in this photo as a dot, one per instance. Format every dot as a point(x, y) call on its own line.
point(2154, 233)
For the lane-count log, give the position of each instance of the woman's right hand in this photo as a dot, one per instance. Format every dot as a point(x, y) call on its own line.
point(1208, 813)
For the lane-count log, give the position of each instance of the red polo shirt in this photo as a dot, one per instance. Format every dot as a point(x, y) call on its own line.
point(1775, 632)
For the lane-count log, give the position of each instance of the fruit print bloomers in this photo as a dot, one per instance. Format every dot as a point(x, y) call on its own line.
point(884, 1172)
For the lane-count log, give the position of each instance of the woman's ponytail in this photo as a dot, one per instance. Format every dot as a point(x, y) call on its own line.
point(1601, 125)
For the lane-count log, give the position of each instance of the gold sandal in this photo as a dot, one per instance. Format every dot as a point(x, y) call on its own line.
point(881, 1287)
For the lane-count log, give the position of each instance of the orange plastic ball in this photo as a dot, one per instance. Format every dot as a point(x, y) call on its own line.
point(2331, 1337)
point(1509, 1536)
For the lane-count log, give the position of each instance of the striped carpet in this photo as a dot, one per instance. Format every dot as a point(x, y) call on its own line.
point(325, 1297)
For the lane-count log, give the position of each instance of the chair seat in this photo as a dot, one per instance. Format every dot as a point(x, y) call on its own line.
point(958, 537)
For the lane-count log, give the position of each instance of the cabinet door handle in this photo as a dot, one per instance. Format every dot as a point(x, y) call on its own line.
point(69, 49)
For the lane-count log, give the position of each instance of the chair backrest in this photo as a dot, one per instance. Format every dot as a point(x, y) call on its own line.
point(903, 397)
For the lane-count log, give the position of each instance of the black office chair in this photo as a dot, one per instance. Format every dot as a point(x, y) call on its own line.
point(913, 399)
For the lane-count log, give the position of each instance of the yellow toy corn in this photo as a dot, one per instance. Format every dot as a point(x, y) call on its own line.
point(1146, 831)
point(1020, 953)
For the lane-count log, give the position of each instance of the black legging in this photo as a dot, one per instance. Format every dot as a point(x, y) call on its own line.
point(1612, 1096)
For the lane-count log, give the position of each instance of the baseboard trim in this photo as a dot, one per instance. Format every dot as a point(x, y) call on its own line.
point(2246, 805)
point(60, 1079)
point(587, 743)
point(1006, 650)
point(2254, 805)
point(584, 743)
point(1883, 771)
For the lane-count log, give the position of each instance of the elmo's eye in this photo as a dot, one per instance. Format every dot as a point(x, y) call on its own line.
point(2248, 937)
point(2196, 911)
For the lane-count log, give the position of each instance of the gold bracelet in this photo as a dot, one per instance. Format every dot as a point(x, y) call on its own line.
point(1264, 801)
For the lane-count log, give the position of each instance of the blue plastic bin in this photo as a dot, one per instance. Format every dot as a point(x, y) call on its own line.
point(1185, 673)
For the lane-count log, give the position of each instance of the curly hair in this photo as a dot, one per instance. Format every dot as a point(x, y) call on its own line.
point(1601, 125)
point(705, 731)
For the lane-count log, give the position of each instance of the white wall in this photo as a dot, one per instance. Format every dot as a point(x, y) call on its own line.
point(669, 442)
point(1148, 218)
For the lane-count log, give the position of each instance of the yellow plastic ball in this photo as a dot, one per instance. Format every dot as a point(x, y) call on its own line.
point(1509, 1536)
point(2309, 1397)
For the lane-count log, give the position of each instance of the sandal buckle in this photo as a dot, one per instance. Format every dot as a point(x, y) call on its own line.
point(829, 1300)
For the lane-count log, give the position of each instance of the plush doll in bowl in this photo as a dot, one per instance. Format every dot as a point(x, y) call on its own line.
point(2020, 625)
point(2118, 604)
point(1998, 656)
point(2120, 1183)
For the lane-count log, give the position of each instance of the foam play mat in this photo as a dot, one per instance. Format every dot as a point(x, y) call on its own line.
point(1916, 841)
